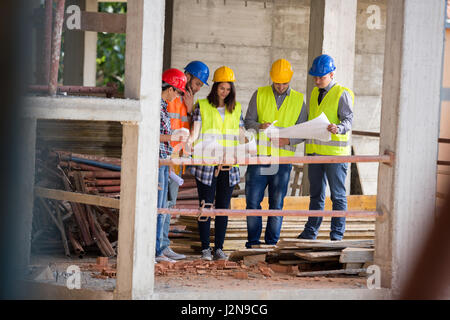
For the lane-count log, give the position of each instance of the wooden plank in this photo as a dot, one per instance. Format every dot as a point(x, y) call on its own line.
point(329, 272)
point(239, 254)
point(354, 202)
point(316, 244)
point(254, 259)
point(319, 256)
point(356, 255)
point(101, 22)
point(77, 197)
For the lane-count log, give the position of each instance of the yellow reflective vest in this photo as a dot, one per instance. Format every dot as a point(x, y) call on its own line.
point(225, 131)
point(339, 144)
point(286, 116)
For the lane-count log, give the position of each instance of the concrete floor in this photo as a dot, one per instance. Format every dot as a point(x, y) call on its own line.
point(190, 286)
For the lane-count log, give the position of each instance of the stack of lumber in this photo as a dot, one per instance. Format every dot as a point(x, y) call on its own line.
point(76, 227)
point(314, 257)
point(236, 236)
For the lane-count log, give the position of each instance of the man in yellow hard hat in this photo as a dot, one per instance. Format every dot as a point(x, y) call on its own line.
point(285, 106)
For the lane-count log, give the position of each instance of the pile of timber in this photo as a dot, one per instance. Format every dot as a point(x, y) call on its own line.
point(72, 226)
point(236, 235)
point(313, 257)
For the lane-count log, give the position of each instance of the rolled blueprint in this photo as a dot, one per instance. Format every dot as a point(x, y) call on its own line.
point(176, 178)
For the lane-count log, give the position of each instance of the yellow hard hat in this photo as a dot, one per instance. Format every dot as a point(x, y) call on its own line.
point(281, 71)
point(224, 74)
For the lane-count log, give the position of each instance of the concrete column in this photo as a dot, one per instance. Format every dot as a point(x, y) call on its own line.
point(90, 50)
point(409, 127)
point(332, 31)
point(80, 51)
point(143, 65)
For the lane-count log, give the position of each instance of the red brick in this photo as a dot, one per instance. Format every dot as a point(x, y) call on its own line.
point(242, 275)
point(102, 261)
point(283, 268)
point(266, 271)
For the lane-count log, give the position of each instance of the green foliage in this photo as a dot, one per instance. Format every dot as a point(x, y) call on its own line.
point(111, 50)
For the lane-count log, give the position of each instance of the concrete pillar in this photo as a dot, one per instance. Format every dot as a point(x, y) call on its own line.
point(74, 51)
point(90, 50)
point(332, 31)
point(80, 51)
point(409, 128)
point(143, 65)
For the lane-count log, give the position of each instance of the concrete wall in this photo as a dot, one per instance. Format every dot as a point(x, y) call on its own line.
point(249, 35)
point(443, 180)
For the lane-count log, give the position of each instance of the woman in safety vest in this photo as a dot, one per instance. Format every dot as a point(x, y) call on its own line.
point(217, 119)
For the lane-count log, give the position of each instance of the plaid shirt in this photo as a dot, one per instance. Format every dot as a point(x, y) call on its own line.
point(165, 149)
point(205, 174)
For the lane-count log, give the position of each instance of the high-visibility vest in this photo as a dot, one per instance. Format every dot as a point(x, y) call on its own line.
point(286, 116)
point(225, 131)
point(339, 144)
point(178, 116)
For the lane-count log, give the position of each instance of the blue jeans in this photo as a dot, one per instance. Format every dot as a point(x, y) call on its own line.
point(163, 220)
point(171, 199)
point(318, 175)
point(256, 182)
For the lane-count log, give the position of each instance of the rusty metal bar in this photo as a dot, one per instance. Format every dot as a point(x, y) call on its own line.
point(48, 39)
point(56, 47)
point(387, 158)
point(366, 133)
point(268, 213)
point(443, 163)
point(444, 140)
point(110, 90)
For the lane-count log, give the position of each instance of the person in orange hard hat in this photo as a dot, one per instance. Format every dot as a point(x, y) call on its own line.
point(285, 106)
point(173, 86)
point(180, 112)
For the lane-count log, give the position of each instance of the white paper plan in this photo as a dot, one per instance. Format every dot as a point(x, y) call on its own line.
point(210, 148)
point(313, 129)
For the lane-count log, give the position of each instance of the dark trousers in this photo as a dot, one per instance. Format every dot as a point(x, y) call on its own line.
point(221, 191)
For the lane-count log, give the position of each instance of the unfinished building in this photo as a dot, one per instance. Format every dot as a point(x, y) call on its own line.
point(391, 52)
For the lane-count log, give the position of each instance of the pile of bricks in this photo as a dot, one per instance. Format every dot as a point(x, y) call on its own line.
point(102, 269)
point(222, 268)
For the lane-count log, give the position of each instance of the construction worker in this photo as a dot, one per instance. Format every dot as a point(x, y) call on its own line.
point(218, 117)
point(173, 86)
point(286, 106)
point(180, 110)
point(336, 102)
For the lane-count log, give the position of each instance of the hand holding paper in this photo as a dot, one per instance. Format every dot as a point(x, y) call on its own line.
point(313, 129)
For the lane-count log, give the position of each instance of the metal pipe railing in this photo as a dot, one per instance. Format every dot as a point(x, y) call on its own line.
point(268, 213)
point(387, 158)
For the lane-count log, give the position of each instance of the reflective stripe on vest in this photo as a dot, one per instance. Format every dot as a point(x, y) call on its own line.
point(224, 131)
point(286, 116)
point(339, 144)
point(178, 116)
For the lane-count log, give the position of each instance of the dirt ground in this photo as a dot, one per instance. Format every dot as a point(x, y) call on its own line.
point(194, 279)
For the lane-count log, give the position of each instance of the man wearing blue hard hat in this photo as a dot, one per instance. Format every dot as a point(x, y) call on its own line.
point(336, 102)
point(180, 110)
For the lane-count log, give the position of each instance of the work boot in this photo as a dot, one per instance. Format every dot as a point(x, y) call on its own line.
point(206, 254)
point(220, 255)
point(169, 253)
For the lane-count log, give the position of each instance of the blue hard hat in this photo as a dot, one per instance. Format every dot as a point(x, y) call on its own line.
point(322, 65)
point(198, 69)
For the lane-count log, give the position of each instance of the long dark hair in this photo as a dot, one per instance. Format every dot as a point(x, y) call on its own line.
point(230, 100)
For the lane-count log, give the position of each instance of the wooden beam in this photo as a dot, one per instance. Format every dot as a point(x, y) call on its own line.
point(302, 203)
point(77, 197)
point(101, 22)
point(356, 255)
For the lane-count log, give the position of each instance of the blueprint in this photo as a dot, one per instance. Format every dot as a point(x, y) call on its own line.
point(313, 129)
